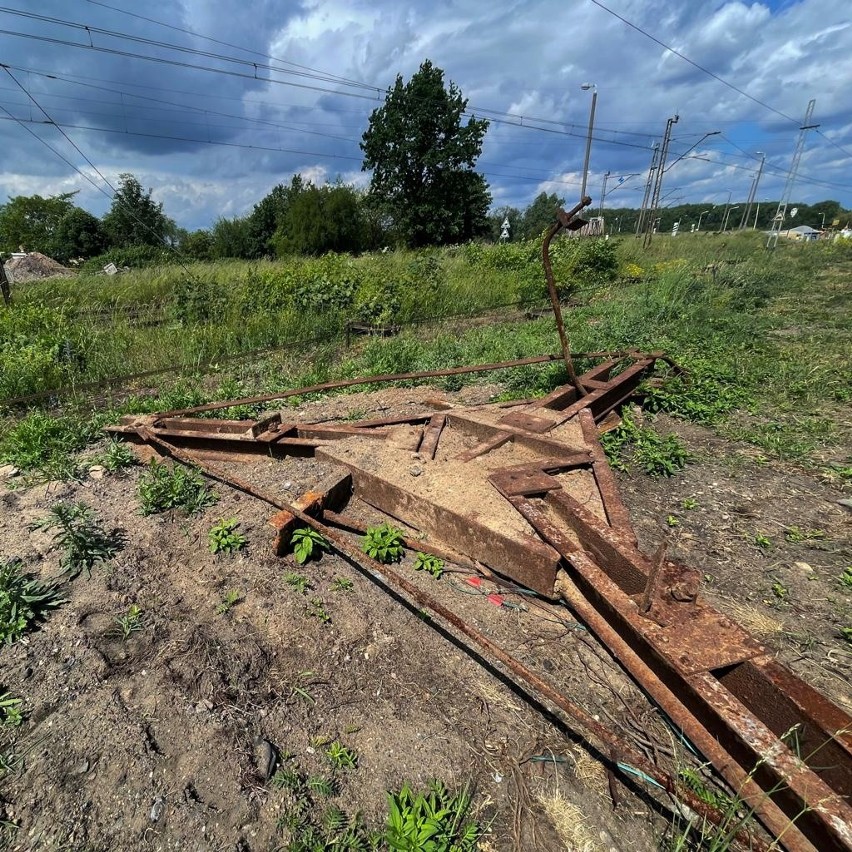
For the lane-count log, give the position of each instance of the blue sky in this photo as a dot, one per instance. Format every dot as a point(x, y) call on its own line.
point(212, 125)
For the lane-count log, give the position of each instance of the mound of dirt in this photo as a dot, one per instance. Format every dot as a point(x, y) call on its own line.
point(35, 267)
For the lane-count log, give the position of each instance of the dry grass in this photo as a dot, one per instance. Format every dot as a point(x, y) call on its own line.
point(570, 823)
point(590, 772)
point(753, 619)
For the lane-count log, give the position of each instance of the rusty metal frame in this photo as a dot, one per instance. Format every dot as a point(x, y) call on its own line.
point(711, 678)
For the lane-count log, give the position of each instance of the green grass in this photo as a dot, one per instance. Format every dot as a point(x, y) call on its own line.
point(766, 341)
point(163, 487)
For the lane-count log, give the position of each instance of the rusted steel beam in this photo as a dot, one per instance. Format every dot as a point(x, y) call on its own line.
point(336, 431)
point(494, 442)
point(524, 559)
point(563, 220)
point(616, 512)
point(363, 380)
point(615, 745)
point(485, 431)
point(739, 780)
point(692, 656)
point(429, 445)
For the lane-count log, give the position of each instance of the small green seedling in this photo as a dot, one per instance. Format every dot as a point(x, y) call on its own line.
point(11, 715)
point(301, 691)
point(85, 542)
point(797, 535)
point(780, 591)
point(342, 584)
point(224, 538)
point(762, 541)
point(340, 756)
point(297, 581)
point(231, 599)
point(846, 633)
point(429, 562)
point(117, 456)
point(383, 543)
point(307, 543)
point(688, 503)
point(315, 609)
point(322, 786)
point(846, 577)
point(673, 521)
point(129, 623)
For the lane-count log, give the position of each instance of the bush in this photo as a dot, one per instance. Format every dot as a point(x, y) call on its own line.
point(24, 600)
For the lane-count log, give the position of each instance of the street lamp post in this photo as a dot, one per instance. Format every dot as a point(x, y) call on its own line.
point(700, 215)
point(822, 226)
point(727, 205)
point(728, 213)
point(585, 87)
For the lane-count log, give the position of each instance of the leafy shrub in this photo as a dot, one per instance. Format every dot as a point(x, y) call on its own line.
point(43, 442)
point(162, 487)
point(383, 543)
point(322, 294)
point(307, 542)
point(24, 600)
point(84, 541)
point(655, 454)
point(224, 538)
point(198, 301)
point(378, 303)
point(433, 820)
point(135, 257)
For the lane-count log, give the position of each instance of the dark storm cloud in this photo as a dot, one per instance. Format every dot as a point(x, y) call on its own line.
point(527, 59)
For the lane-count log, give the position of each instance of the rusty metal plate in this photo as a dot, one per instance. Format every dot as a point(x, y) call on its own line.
point(528, 422)
point(522, 483)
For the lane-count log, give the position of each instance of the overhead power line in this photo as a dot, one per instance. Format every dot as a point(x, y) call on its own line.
point(694, 64)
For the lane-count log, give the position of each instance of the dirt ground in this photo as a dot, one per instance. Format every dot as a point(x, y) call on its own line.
point(162, 740)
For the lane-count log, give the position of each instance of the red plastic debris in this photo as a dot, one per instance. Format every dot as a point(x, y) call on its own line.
point(474, 581)
point(496, 599)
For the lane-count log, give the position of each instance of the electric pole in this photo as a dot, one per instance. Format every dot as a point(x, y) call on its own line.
point(658, 179)
point(753, 191)
point(643, 212)
point(781, 212)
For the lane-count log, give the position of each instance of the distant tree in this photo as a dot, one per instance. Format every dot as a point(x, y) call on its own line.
point(322, 219)
point(268, 214)
point(134, 218)
point(196, 245)
point(541, 214)
point(231, 238)
point(422, 158)
point(78, 234)
point(32, 221)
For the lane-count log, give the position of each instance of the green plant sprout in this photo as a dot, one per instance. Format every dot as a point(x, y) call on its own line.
point(846, 577)
point(85, 542)
point(11, 715)
point(688, 503)
point(307, 543)
point(429, 562)
point(341, 757)
point(383, 543)
point(224, 538)
point(797, 535)
point(228, 602)
point(129, 623)
point(342, 584)
point(24, 600)
point(297, 581)
point(316, 609)
point(162, 488)
point(762, 541)
point(673, 521)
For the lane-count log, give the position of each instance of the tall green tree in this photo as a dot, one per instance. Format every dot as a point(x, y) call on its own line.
point(541, 214)
point(134, 218)
point(422, 156)
point(268, 214)
point(32, 221)
point(78, 234)
point(322, 219)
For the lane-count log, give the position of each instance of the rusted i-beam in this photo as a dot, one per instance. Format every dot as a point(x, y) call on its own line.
point(613, 743)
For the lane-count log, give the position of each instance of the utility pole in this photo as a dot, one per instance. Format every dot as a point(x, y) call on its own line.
point(594, 88)
point(753, 191)
point(643, 212)
point(4, 285)
point(781, 212)
point(603, 193)
point(658, 178)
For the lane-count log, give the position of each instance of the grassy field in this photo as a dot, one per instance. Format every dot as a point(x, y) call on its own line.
point(765, 336)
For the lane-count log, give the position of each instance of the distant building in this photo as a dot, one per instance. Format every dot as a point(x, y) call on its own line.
point(802, 232)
